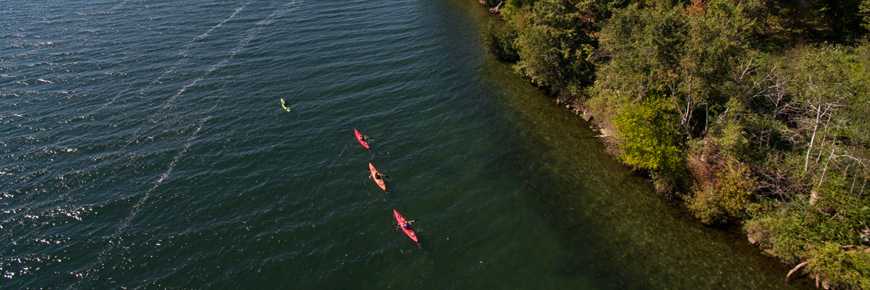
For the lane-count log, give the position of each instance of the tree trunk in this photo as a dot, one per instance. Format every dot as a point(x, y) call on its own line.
point(833, 147)
point(822, 141)
point(813, 139)
point(846, 172)
point(826, 166)
point(862, 189)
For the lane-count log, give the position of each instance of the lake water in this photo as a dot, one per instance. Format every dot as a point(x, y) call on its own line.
point(142, 145)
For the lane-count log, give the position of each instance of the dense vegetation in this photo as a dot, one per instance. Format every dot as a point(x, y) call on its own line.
point(752, 112)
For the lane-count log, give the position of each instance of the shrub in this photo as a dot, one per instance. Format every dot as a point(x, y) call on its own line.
point(841, 268)
point(649, 137)
point(705, 205)
point(726, 196)
point(498, 40)
point(734, 185)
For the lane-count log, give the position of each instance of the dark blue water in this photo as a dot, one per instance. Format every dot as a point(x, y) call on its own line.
point(142, 145)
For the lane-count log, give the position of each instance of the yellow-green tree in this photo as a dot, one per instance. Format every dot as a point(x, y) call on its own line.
point(649, 138)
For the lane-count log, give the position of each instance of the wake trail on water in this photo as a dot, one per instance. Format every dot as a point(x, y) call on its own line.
point(114, 241)
point(190, 44)
point(183, 52)
point(101, 257)
point(249, 35)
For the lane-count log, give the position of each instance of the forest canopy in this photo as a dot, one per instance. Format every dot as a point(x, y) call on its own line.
point(751, 112)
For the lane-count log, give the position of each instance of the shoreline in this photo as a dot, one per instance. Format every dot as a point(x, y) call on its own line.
point(799, 268)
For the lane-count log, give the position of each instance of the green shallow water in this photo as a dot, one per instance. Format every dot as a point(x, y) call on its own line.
point(143, 146)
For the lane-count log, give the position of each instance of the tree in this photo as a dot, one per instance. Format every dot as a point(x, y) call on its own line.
point(821, 87)
point(864, 9)
point(553, 46)
point(716, 40)
point(687, 54)
point(644, 46)
point(838, 16)
point(650, 139)
point(499, 41)
point(514, 7)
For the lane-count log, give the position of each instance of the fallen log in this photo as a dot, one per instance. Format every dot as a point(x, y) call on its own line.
point(497, 8)
point(798, 267)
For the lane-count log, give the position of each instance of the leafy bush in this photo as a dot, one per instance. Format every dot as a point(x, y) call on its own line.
point(554, 47)
point(498, 40)
point(841, 268)
point(735, 187)
point(514, 7)
point(728, 195)
point(705, 206)
point(649, 135)
point(650, 139)
point(783, 233)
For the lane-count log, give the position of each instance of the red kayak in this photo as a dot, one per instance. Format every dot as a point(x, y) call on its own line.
point(359, 137)
point(401, 221)
point(379, 181)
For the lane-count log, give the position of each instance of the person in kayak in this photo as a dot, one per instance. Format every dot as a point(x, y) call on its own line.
point(407, 224)
point(363, 138)
point(378, 176)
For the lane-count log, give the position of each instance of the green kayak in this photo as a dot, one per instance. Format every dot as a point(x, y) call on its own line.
point(284, 105)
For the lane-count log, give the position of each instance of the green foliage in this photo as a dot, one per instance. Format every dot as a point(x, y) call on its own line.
point(598, 11)
point(837, 197)
point(650, 139)
point(715, 40)
point(728, 196)
point(553, 46)
point(858, 61)
point(838, 16)
point(821, 76)
point(735, 187)
point(498, 40)
point(781, 22)
point(842, 269)
point(783, 233)
point(732, 139)
point(822, 87)
point(730, 134)
point(815, 229)
point(768, 106)
point(514, 7)
point(735, 79)
point(687, 54)
point(815, 224)
point(645, 46)
point(704, 204)
point(759, 13)
point(864, 9)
